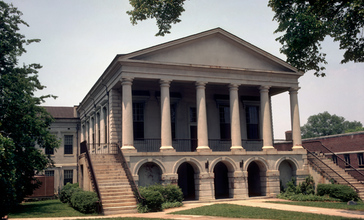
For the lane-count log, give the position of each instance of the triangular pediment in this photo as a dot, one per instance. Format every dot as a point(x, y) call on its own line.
point(216, 48)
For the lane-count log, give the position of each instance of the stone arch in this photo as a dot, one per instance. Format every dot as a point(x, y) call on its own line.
point(141, 162)
point(188, 170)
point(230, 163)
point(149, 173)
point(291, 159)
point(260, 160)
point(257, 176)
point(287, 170)
point(192, 161)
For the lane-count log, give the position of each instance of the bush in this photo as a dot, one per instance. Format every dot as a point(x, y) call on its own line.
point(310, 197)
point(67, 191)
point(168, 205)
point(170, 193)
point(342, 192)
point(152, 201)
point(84, 201)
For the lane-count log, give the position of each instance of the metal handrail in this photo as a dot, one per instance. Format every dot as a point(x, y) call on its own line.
point(84, 149)
point(332, 170)
point(347, 164)
point(129, 175)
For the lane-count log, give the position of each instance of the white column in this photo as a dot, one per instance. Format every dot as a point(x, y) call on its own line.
point(127, 112)
point(266, 118)
point(166, 131)
point(202, 132)
point(295, 119)
point(235, 118)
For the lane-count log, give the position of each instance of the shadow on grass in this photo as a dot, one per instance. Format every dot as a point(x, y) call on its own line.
point(48, 208)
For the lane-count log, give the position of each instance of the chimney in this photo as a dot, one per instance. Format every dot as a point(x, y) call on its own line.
point(288, 135)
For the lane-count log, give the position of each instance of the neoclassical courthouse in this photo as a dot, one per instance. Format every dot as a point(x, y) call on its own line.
point(195, 112)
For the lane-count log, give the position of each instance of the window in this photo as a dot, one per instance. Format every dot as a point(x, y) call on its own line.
point(193, 115)
point(173, 121)
point(347, 160)
point(98, 129)
point(360, 160)
point(138, 120)
point(68, 144)
point(334, 159)
point(49, 172)
point(225, 129)
point(105, 125)
point(49, 151)
point(252, 122)
point(68, 176)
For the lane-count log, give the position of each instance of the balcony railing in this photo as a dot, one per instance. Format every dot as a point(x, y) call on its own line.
point(190, 145)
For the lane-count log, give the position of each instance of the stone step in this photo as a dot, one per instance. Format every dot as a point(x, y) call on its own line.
point(106, 205)
point(118, 200)
point(115, 211)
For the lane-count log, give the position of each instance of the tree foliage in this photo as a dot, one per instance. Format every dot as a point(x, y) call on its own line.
point(324, 124)
point(304, 24)
point(23, 123)
point(166, 12)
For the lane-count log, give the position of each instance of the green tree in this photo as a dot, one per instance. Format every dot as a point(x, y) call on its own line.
point(324, 124)
point(304, 25)
point(23, 123)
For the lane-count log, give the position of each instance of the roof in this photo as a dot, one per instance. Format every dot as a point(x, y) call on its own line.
point(61, 112)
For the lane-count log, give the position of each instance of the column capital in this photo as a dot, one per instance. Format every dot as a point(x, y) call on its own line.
point(200, 85)
point(165, 82)
point(264, 88)
point(126, 81)
point(233, 86)
point(294, 90)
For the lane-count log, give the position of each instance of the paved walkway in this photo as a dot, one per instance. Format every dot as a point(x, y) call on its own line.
point(249, 202)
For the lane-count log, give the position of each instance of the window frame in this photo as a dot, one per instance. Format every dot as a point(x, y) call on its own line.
point(68, 148)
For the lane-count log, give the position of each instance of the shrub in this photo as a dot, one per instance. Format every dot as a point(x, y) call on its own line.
point(84, 201)
point(168, 205)
point(342, 192)
point(170, 193)
point(310, 197)
point(152, 201)
point(67, 191)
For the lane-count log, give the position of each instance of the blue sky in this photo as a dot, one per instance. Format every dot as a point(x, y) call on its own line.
point(79, 39)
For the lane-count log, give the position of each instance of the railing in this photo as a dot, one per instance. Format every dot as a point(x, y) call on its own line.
point(102, 148)
point(85, 149)
point(190, 145)
point(317, 146)
point(129, 175)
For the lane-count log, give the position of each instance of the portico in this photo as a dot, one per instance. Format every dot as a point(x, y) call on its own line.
point(196, 110)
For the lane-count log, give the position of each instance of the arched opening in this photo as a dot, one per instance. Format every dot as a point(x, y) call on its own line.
point(255, 180)
point(287, 171)
point(186, 180)
point(221, 181)
point(149, 174)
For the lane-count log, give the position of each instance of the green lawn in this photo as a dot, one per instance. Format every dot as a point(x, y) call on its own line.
point(237, 211)
point(44, 209)
point(54, 208)
point(330, 205)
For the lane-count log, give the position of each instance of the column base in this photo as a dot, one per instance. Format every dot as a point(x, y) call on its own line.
point(298, 148)
point(129, 149)
point(203, 149)
point(237, 148)
point(269, 148)
point(167, 149)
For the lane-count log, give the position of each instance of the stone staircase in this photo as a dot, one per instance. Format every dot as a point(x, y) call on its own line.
point(330, 170)
point(115, 191)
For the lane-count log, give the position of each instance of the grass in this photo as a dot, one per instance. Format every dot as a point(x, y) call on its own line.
point(330, 205)
point(237, 211)
point(44, 209)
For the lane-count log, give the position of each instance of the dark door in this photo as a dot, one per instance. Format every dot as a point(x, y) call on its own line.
point(186, 180)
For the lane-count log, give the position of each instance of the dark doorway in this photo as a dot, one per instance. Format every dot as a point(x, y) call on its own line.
point(186, 181)
point(254, 183)
point(221, 181)
point(193, 135)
